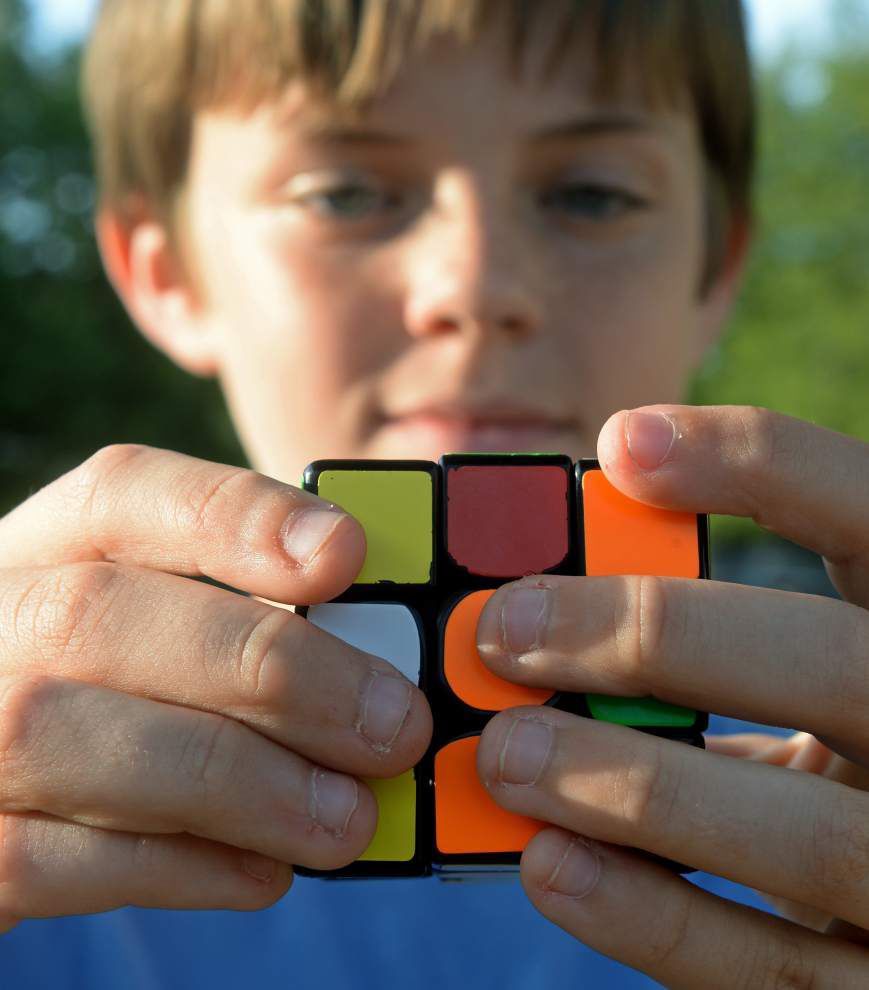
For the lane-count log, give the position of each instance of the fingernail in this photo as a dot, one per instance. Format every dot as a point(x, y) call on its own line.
point(525, 751)
point(384, 708)
point(305, 532)
point(258, 867)
point(333, 800)
point(524, 615)
point(649, 437)
point(577, 871)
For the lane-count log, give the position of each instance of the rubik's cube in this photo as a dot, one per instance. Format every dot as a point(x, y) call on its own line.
point(442, 537)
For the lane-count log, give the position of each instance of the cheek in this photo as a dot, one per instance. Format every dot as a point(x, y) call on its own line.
point(302, 342)
point(634, 312)
point(296, 310)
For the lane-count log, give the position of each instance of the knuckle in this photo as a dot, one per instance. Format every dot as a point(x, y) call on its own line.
point(648, 789)
point(17, 866)
point(147, 859)
point(89, 482)
point(789, 968)
point(848, 677)
point(641, 627)
point(262, 670)
point(64, 607)
point(200, 505)
point(255, 897)
point(267, 659)
point(105, 461)
point(210, 757)
point(28, 706)
point(836, 857)
point(759, 440)
point(672, 932)
point(768, 445)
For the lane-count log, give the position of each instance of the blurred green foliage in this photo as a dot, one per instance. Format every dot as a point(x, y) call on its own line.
point(799, 340)
point(75, 375)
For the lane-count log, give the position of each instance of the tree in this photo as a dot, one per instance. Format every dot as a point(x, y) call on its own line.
point(75, 375)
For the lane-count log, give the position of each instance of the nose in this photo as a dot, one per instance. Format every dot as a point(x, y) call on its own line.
point(472, 271)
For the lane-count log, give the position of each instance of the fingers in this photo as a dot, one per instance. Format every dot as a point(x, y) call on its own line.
point(160, 509)
point(643, 915)
point(806, 483)
point(51, 868)
point(163, 637)
point(708, 811)
point(799, 751)
point(107, 759)
point(703, 644)
point(755, 746)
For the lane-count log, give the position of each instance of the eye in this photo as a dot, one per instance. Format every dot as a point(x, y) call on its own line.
point(592, 201)
point(349, 201)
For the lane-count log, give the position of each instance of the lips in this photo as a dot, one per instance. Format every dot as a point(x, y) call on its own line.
point(490, 413)
point(432, 431)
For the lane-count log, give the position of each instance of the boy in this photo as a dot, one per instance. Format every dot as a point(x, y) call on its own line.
point(535, 246)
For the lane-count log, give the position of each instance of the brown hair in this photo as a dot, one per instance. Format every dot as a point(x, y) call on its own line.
point(150, 64)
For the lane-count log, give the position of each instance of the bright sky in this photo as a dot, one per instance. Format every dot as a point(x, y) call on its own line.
point(772, 21)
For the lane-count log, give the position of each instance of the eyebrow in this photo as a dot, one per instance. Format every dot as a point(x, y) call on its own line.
point(589, 126)
point(344, 136)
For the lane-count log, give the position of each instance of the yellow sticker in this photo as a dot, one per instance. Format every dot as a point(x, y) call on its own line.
point(395, 838)
point(395, 509)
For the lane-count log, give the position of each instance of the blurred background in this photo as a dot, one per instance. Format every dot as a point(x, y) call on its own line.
point(75, 375)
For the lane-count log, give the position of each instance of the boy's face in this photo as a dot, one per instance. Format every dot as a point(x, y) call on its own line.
point(501, 269)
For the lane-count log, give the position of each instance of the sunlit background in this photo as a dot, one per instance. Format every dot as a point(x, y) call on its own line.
point(774, 23)
point(75, 375)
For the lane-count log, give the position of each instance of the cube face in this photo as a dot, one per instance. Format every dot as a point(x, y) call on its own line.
point(470, 524)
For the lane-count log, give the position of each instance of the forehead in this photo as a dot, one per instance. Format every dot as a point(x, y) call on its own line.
point(472, 87)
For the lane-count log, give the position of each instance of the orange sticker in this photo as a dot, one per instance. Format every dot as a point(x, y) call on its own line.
point(623, 536)
point(467, 820)
point(467, 675)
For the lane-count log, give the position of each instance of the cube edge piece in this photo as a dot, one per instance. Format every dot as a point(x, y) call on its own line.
point(420, 864)
point(701, 722)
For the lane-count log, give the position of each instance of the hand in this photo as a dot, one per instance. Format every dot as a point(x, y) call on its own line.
point(801, 834)
point(164, 742)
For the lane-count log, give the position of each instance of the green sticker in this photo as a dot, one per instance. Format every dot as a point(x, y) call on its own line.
point(640, 711)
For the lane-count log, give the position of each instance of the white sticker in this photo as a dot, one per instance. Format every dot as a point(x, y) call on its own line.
point(388, 630)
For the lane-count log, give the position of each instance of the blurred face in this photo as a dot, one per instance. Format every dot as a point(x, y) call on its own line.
point(473, 264)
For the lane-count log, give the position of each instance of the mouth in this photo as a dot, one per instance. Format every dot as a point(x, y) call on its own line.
point(432, 432)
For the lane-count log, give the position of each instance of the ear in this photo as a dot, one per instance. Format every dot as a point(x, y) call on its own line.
point(718, 298)
point(159, 295)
